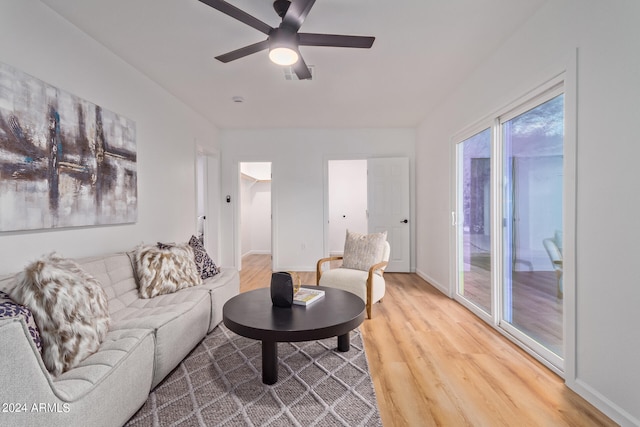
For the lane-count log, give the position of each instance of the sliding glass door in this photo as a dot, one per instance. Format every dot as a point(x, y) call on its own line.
point(532, 176)
point(474, 220)
point(508, 221)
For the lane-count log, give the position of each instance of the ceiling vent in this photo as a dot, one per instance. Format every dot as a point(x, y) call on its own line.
point(289, 74)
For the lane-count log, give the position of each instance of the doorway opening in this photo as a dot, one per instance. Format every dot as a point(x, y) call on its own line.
point(347, 182)
point(370, 196)
point(255, 209)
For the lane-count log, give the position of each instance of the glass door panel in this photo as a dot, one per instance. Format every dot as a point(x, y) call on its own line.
point(532, 235)
point(474, 219)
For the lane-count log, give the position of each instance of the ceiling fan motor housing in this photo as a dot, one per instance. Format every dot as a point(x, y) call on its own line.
point(283, 37)
point(281, 7)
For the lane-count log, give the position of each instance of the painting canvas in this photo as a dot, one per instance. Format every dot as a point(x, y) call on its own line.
point(64, 162)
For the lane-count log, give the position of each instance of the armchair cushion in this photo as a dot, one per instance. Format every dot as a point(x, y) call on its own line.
point(354, 281)
point(361, 251)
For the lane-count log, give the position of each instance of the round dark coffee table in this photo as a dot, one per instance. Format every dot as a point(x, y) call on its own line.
point(252, 315)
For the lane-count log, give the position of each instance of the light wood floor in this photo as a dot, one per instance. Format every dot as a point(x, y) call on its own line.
point(537, 310)
point(434, 363)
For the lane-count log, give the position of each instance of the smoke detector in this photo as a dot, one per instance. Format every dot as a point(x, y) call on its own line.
point(290, 74)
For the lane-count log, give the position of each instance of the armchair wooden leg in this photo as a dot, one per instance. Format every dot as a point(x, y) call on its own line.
point(559, 279)
point(369, 293)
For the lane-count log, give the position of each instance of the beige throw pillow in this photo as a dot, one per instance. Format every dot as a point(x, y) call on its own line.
point(361, 251)
point(165, 270)
point(69, 307)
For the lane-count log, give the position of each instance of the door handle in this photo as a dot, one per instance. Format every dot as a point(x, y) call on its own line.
point(404, 221)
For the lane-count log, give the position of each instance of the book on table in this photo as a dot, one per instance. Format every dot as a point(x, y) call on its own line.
point(307, 296)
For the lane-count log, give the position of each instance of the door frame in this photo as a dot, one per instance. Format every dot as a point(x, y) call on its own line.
point(237, 214)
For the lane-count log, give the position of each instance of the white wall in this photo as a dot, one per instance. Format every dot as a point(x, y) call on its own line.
point(39, 42)
point(299, 165)
point(347, 201)
point(607, 343)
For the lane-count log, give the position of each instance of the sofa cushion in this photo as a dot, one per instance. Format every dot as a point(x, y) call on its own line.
point(114, 349)
point(206, 267)
point(165, 270)
point(69, 307)
point(179, 321)
point(9, 308)
point(115, 274)
point(361, 251)
point(221, 287)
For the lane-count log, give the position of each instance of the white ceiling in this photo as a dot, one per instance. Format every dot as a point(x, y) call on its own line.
point(423, 50)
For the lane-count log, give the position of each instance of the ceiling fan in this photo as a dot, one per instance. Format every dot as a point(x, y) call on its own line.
point(283, 41)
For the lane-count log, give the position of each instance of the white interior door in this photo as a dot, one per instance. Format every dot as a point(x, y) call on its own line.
point(212, 203)
point(208, 200)
point(388, 206)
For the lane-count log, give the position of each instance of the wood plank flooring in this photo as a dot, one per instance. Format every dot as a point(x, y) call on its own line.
point(434, 363)
point(537, 310)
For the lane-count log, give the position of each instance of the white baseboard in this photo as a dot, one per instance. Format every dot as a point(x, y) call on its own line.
point(296, 268)
point(257, 252)
point(609, 408)
point(433, 282)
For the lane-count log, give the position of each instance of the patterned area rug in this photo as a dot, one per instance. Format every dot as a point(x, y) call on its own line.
point(220, 384)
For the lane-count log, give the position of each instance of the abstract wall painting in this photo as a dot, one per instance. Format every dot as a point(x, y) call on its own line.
point(64, 162)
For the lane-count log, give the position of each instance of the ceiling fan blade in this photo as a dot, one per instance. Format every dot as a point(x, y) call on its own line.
point(335, 40)
point(301, 69)
point(240, 15)
point(297, 13)
point(243, 51)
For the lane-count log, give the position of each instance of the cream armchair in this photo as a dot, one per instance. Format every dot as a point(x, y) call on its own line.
point(553, 247)
point(368, 285)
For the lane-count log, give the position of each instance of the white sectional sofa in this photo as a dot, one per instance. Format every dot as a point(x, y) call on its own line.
point(147, 339)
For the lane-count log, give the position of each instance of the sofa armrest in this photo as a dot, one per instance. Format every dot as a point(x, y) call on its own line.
point(25, 379)
point(105, 390)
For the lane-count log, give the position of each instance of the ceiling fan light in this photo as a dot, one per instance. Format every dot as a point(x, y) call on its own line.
point(283, 56)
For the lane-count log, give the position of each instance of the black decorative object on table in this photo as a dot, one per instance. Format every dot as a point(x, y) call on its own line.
point(282, 289)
